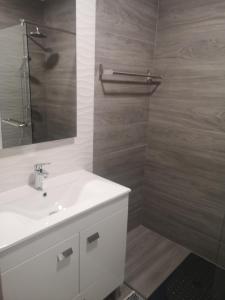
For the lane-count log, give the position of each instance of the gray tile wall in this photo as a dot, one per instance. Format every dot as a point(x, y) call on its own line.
point(37, 87)
point(185, 171)
point(60, 77)
point(13, 10)
point(125, 36)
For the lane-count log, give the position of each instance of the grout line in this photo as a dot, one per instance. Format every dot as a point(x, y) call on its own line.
point(156, 35)
point(120, 151)
point(154, 67)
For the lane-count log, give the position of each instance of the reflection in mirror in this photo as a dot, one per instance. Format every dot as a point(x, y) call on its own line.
point(38, 71)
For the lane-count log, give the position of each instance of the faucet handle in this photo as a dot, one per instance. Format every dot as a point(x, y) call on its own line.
point(39, 166)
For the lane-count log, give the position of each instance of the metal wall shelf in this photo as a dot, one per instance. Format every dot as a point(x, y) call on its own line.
point(106, 75)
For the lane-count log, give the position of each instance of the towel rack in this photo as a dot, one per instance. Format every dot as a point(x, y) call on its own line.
point(150, 79)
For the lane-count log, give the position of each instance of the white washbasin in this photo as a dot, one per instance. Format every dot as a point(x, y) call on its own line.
point(25, 211)
point(14, 223)
point(54, 198)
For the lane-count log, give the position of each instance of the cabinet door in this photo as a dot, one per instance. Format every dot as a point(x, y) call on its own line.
point(102, 256)
point(52, 275)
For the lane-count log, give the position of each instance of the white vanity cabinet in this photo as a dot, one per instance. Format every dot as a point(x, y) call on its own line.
point(51, 275)
point(81, 259)
point(102, 253)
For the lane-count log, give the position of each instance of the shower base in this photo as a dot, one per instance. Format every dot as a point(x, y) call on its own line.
point(194, 279)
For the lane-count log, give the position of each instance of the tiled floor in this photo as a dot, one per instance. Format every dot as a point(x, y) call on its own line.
point(123, 293)
point(151, 258)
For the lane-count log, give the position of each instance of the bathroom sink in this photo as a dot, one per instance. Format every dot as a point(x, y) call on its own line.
point(41, 204)
point(14, 223)
point(25, 211)
point(55, 198)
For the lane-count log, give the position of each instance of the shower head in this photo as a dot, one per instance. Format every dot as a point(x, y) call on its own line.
point(37, 34)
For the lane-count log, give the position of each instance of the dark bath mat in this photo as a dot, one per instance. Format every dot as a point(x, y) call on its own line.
point(194, 279)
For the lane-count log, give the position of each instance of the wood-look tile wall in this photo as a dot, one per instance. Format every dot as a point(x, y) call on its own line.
point(185, 172)
point(60, 69)
point(37, 88)
point(13, 10)
point(125, 36)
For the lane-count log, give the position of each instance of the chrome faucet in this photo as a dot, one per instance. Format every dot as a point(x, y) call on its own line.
point(39, 175)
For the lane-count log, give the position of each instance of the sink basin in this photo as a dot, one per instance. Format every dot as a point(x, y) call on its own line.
point(54, 198)
point(41, 204)
point(25, 211)
point(14, 223)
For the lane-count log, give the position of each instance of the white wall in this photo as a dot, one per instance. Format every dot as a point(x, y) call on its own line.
point(16, 164)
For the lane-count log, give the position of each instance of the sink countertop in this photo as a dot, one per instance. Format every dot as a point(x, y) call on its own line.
point(25, 211)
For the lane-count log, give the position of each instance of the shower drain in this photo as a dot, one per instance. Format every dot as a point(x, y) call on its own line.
point(134, 296)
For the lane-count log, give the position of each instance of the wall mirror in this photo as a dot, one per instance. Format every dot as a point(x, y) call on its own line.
point(37, 71)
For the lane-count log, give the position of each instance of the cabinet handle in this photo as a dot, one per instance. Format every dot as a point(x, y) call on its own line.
point(93, 238)
point(65, 254)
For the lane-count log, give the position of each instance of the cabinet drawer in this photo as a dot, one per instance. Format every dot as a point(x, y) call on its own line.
point(102, 255)
point(52, 275)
